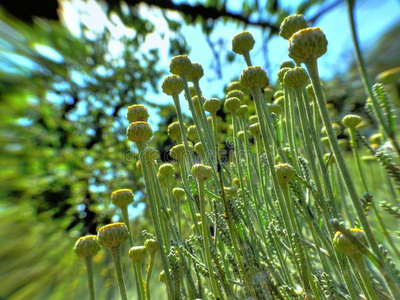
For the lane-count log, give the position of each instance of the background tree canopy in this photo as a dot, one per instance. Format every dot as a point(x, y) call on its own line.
point(62, 120)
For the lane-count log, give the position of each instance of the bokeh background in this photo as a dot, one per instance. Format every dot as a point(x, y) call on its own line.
point(68, 71)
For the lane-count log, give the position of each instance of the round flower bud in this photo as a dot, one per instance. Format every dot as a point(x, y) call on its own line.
point(236, 183)
point(151, 154)
point(285, 173)
point(139, 132)
point(166, 169)
point(253, 120)
point(242, 110)
point(307, 44)
point(192, 91)
point(345, 245)
point(336, 129)
point(280, 101)
point(174, 131)
point(351, 121)
point(278, 94)
point(197, 103)
point(389, 76)
point(137, 253)
point(192, 133)
point(275, 108)
point(243, 42)
point(325, 141)
point(195, 73)
point(87, 246)
point(180, 65)
point(151, 246)
point(291, 25)
point(235, 93)
point(230, 191)
point(295, 78)
point(172, 85)
point(269, 93)
point(240, 135)
point(310, 91)
point(375, 139)
point(235, 85)
point(177, 152)
point(281, 73)
point(212, 105)
point(113, 235)
point(162, 277)
point(201, 172)
point(198, 147)
point(368, 158)
point(137, 112)
point(255, 129)
point(232, 104)
point(287, 64)
point(178, 193)
point(122, 198)
point(254, 77)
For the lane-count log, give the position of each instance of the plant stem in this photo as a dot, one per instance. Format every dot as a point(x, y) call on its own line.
point(89, 270)
point(148, 275)
point(116, 254)
point(140, 279)
point(362, 270)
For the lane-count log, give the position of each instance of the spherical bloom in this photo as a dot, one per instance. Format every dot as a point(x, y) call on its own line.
point(195, 72)
point(375, 139)
point(285, 173)
point(180, 65)
point(235, 85)
point(178, 192)
point(287, 64)
point(268, 93)
point(212, 105)
point(172, 85)
point(177, 152)
point(255, 129)
point(151, 246)
point(242, 110)
point(113, 235)
point(151, 154)
point(139, 132)
point(174, 131)
point(243, 42)
point(281, 73)
point(162, 277)
point(240, 135)
point(253, 120)
point(291, 25)
point(137, 253)
point(310, 91)
point(345, 245)
point(295, 78)
point(351, 121)
point(307, 45)
point(122, 198)
point(232, 104)
point(198, 147)
point(137, 112)
point(201, 172)
point(274, 108)
point(192, 133)
point(87, 246)
point(254, 77)
point(235, 93)
point(166, 169)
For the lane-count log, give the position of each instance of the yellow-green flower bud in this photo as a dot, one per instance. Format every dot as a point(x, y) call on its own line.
point(174, 131)
point(151, 154)
point(87, 246)
point(178, 193)
point(336, 129)
point(212, 105)
point(295, 78)
point(280, 101)
point(242, 111)
point(201, 172)
point(375, 139)
point(269, 93)
point(307, 45)
point(240, 135)
point(255, 129)
point(195, 73)
point(287, 64)
point(243, 42)
point(177, 152)
point(278, 94)
point(122, 198)
point(192, 133)
point(197, 103)
point(137, 253)
point(151, 246)
point(235, 85)
point(274, 108)
point(345, 245)
point(235, 93)
point(198, 147)
point(281, 74)
point(166, 169)
point(162, 277)
point(236, 183)
point(230, 191)
point(351, 121)
point(291, 25)
point(113, 235)
point(285, 173)
point(232, 104)
point(192, 91)
point(325, 141)
point(137, 112)
point(180, 65)
point(310, 91)
point(139, 132)
point(254, 77)
point(172, 85)
point(253, 120)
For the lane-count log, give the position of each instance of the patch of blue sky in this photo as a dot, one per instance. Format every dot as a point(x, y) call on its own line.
point(49, 53)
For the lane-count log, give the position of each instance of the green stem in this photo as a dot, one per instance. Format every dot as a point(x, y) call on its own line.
point(362, 270)
point(116, 254)
point(89, 269)
point(148, 275)
point(140, 279)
